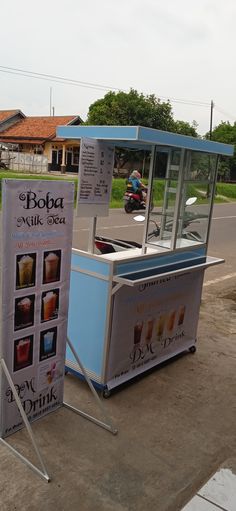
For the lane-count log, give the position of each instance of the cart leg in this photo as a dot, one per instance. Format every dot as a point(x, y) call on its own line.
point(106, 393)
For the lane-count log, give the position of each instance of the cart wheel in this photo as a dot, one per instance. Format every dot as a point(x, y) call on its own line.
point(106, 393)
point(193, 349)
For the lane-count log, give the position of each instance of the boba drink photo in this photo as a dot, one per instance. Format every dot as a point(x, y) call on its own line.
point(51, 266)
point(161, 321)
point(48, 342)
point(138, 327)
point(24, 312)
point(181, 315)
point(23, 352)
point(149, 330)
point(49, 305)
point(171, 321)
point(25, 270)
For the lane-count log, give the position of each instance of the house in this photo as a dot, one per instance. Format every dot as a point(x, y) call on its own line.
point(9, 117)
point(37, 135)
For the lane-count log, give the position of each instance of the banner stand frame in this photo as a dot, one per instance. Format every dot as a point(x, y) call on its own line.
point(108, 425)
point(42, 473)
point(105, 425)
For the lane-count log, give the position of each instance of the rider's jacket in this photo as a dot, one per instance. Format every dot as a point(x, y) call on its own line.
point(133, 185)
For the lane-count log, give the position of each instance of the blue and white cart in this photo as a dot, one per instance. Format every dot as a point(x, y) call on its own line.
point(132, 310)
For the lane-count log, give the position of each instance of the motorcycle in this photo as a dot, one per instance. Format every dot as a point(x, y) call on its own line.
point(133, 201)
point(108, 245)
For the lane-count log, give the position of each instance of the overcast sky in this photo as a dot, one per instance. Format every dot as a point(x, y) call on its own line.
point(180, 49)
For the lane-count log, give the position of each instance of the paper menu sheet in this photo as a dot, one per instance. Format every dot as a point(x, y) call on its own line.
point(95, 172)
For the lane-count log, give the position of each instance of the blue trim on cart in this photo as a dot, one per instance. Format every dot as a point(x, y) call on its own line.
point(96, 385)
point(136, 135)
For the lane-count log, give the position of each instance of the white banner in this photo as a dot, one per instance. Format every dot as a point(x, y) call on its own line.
point(95, 177)
point(151, 323)
point(37, 241)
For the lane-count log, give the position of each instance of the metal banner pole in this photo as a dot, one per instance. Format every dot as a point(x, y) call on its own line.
point(108, 426)
point(42, 473)
point(92, 234)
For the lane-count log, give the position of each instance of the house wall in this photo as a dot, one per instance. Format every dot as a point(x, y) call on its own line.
point(25, 162)
point(48, 151)
point(71, 159)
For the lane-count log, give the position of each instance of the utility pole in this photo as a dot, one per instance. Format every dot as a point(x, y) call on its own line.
point(50, 102)
point(210, 136)
point(211, 118)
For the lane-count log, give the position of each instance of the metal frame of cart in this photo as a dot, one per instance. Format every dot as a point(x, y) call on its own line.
point(99, 283)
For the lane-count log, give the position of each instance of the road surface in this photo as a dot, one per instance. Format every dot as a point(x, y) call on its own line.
point(222, 237)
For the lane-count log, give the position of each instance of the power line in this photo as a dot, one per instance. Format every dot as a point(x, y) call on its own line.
point(59, 80)
point(225, 113)
point(90, 85)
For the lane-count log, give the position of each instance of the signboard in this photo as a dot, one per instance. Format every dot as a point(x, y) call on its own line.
point(37, 239)
point(151, 323)
point(95, 177)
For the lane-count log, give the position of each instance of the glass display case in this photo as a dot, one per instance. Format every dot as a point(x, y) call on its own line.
point(184, 216)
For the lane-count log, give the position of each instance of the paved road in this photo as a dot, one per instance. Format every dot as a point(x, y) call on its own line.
point(222, 238)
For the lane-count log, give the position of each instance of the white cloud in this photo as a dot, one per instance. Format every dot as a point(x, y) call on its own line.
point(177, 49)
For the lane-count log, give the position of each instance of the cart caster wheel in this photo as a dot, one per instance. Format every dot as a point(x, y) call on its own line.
point(106, 393)
point(193, 349)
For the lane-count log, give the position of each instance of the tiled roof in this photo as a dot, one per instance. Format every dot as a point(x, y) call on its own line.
point(36, 127)
point(33, 141)
point(7, 114)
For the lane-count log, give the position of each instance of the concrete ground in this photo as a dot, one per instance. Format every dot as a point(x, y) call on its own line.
point(176, 426)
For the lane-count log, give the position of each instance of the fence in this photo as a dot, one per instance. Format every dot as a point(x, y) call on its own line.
point(25, 162)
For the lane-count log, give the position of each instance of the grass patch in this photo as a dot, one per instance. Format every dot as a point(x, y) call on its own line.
point(119, 188)
point(227, 190)
point(41, 177)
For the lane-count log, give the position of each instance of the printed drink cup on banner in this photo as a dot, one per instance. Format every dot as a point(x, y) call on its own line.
point(138, 332)
point(149, 330)
point(171, 321)
point(51, 262)
point(25, 270)
point(181, 315)
point(22, 351)
point(48, 341)
point(49, 305)
point(24, 308)
point(37, 239)
point(161, 325)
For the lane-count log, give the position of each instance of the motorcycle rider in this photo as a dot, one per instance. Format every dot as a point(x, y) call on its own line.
point(136, 186)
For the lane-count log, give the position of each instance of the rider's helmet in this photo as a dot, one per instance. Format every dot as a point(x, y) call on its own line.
point(136, 174)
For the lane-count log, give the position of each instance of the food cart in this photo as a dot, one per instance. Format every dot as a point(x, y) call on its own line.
point(133, 309)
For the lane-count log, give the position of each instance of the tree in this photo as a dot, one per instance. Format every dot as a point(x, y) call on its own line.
point(185, 128)
point(131, 109)
point(225, 133)
point(135, 109)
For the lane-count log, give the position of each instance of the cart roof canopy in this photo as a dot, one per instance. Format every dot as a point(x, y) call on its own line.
point(138, 137)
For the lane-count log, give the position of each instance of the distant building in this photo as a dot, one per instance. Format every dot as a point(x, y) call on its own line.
point(38, 135)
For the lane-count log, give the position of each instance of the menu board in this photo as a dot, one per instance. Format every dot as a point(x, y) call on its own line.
point(37, 239)
point(95, 177)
